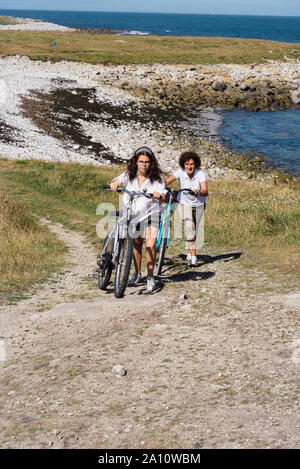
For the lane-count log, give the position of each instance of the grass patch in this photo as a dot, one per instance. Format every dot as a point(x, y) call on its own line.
point(29, 252)
point(253, 213)
point(260, 219)
point(105, 48)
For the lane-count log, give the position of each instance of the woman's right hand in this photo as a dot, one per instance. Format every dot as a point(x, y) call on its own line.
point(115, 184)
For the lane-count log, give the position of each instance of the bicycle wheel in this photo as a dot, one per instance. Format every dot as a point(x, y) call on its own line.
point(163, 246)
point(162, 250)
point(123, 265)
point(105, 262)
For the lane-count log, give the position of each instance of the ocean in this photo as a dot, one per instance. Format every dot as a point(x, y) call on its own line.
point(275, 135)
point(274, 28)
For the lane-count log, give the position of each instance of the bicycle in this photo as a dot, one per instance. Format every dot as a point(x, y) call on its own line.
point(163, 238)
point(117, 250)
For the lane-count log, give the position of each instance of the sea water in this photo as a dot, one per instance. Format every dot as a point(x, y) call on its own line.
point(274, 135)
point(274, 28)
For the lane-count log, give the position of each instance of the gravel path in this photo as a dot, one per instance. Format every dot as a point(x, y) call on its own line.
point(211, 360)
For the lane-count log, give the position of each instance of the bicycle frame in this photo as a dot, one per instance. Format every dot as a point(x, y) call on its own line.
point(167, 217)
point(120, 230)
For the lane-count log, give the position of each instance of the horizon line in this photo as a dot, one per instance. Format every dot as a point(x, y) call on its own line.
point(153, 12)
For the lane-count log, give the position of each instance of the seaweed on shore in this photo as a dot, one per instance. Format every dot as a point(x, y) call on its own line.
point(57, 114)
point(8, 133)
point(60, 111)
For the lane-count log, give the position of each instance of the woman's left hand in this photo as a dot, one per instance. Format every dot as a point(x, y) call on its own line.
point(158, 196)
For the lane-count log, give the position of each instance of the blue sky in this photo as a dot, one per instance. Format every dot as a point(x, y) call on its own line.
point(247, 7)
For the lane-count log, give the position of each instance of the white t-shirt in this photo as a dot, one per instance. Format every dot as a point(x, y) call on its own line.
point(194, 184)
point(141, 205)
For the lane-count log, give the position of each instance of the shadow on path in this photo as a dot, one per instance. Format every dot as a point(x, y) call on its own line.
point(184, 272)
point(206, 259)
point(185, 276)
point(177, 270)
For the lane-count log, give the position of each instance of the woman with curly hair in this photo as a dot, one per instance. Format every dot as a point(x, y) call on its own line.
point(191, 207)
point(143, 174)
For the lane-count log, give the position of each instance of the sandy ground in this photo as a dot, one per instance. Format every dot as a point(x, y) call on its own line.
point(215, 369)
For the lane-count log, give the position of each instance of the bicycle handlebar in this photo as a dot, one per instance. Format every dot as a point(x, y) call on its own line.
point(179, 190)
point(149, 195)
point(174, 192)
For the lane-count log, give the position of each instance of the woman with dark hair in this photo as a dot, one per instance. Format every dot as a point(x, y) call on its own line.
point(190, 207)
point(143, 174)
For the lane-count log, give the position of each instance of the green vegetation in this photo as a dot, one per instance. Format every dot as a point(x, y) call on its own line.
point(115, 49)
point(28, 251)
point(260, 218)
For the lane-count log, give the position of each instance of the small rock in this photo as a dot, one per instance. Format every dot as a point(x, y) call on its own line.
point(296, 96)
point(219, 84)
point(183, 297)
point(244, 87)
point(119, 370)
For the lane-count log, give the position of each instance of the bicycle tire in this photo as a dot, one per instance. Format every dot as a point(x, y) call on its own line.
point(162, 250)
point(123, 265)
point(104, 273)
point(163, 244)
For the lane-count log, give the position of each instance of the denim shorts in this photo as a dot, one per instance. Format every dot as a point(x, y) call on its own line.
point(152, 220)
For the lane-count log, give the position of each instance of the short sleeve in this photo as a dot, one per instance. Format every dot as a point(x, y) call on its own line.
point(202, 176)
point(161, 187)
point(177, 174)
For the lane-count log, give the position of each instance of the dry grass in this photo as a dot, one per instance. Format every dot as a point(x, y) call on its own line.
point(258, 217)
point(28, 252)
point(106, 48)
point(254, 213)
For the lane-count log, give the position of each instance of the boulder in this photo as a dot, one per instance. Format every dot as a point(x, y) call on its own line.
point(219, 84)
point(296, 96)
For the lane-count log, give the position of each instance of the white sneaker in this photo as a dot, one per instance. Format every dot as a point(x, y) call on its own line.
point(151, 284)
point(135, 279)
point(193, 261)
point(188, 257)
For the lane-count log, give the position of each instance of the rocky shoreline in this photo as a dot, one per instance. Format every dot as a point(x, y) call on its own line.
point(256, 87)
point(70, 111)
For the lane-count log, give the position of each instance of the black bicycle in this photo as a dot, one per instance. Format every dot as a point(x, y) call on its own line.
point(163, 238)
point(117, 250)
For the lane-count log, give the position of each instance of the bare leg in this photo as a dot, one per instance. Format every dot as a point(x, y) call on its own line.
point(192, 247)
point(137, 254)
point(151, 235)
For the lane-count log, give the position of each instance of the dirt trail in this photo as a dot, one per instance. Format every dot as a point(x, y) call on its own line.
point(216, 369)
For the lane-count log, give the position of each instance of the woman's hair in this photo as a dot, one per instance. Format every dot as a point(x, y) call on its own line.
point(154, 172)
point(189, 155)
